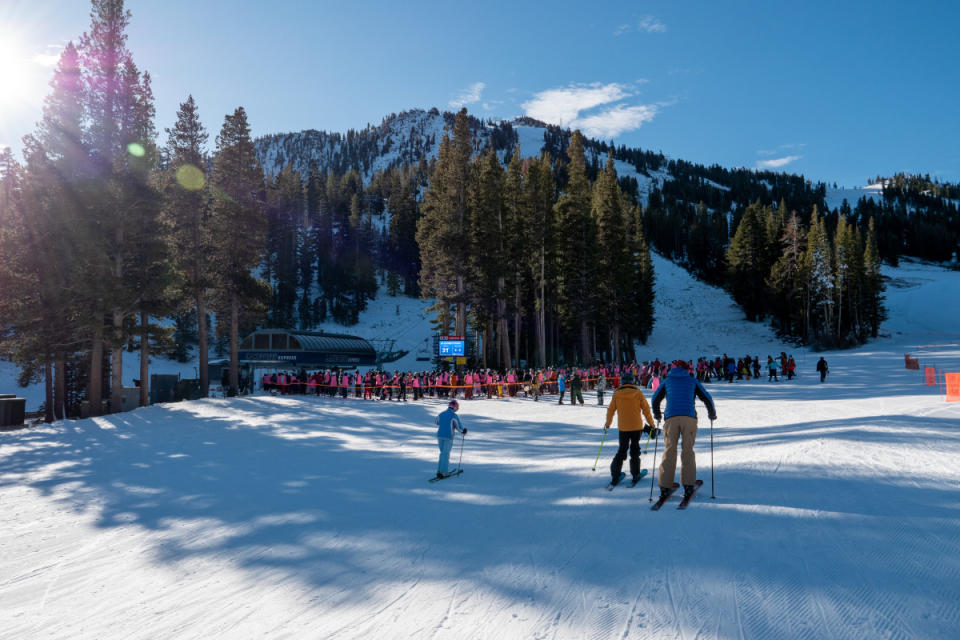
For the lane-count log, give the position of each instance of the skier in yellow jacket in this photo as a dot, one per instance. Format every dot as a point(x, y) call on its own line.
point(631, 407)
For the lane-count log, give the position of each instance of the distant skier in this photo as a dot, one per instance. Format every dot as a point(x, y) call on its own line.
point(772, 368)
point(681, 390)
point(576, 388)
point(601, 386)
point(447, 424)
point(631, 407)
point(822, 368)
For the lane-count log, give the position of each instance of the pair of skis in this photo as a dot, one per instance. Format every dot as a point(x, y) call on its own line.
point(683, 503)
point(452, 474)
point(623, 475)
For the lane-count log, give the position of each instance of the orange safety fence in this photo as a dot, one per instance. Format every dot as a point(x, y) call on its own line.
point(953, 386)
point(930, 376)
point(911, 363)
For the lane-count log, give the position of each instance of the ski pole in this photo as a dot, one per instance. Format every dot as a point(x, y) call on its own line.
point(653, 475)
point(712, 494)
point(600, 449)
point(646, 445)
point(463, 436)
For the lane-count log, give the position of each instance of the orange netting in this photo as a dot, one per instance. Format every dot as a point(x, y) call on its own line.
point(930, 374)
point(953, 386)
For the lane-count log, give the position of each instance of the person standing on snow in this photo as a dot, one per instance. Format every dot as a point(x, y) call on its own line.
point(576, 388)
point(822, 368)
point(772, 368)
point(561, 385)
point(631, 407)
point(447, 424)
point(601, 386)
point(681, 391)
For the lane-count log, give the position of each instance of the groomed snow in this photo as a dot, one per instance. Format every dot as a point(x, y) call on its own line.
point(836, 510)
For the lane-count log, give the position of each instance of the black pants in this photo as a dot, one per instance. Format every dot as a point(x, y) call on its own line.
point(629, 439)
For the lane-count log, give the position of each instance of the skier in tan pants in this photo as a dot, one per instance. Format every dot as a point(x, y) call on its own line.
point(680, 389)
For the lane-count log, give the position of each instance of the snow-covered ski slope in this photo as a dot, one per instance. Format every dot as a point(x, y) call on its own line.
point(837, 510)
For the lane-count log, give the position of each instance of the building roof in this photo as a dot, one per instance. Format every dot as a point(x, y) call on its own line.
point(306, 349)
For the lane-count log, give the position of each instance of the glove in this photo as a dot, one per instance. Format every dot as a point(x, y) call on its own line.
point(656, 416)
point(464, 431)
point(605, 427)
point(712, 417)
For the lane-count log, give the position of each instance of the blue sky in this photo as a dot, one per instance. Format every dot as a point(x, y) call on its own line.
point(838, 91)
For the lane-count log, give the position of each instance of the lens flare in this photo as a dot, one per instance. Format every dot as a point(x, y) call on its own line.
point(190, 178)
point(136, 149)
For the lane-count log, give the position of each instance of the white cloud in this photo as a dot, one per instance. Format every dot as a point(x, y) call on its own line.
point(470, 95)
point(651, 25)
point(646, 24)
point(776, 163)
point(612, 122)
point(565, 106)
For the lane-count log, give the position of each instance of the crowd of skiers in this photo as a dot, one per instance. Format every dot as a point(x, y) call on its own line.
point(567, 383)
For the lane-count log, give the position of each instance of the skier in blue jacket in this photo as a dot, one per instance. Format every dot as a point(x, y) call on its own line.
point(680, 389)
point(447, 424)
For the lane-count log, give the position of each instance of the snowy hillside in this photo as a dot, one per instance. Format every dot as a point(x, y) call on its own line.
point(300, 517)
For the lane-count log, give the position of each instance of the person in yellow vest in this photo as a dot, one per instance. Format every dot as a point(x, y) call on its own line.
point(631, 407)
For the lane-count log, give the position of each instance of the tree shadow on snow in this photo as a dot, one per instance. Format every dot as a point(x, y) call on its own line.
point(334, 494)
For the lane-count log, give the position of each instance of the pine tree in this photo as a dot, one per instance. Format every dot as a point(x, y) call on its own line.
point(576, 250)
point(644, 284)
point(613, 273)
point(487, 254)
point(819, 283)
point(285, 213)
point(874, 311)
point(746, 260)
point(186, 197)
point(441, 231)
point(517, 240)
point(785, 277)
point(239, 228)
point(539, 191)
point(40, 256)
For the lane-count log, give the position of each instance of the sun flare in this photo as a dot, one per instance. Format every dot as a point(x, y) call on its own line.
point(24, 73)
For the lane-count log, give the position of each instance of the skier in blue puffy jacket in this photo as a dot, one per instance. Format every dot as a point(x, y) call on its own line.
point(681, 390)
point(447, 424)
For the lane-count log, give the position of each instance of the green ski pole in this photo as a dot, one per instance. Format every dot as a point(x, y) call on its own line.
point(601, 449)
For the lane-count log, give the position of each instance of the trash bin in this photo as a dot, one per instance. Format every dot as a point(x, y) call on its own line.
point(12, 411)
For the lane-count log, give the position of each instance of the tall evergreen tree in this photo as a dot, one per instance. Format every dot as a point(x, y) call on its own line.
point(51, 242)
point(644, 281)
point(575, 240)
point(785, 280)
point(239, 228)
point(186, 197)
point(539, 192)
point(487, 254)
point(441, 231)
point(613, 275)
point(818, 273)
point(746, 261)
point(874, 311)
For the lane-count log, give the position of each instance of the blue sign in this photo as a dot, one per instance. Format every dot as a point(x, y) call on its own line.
point(451, 348)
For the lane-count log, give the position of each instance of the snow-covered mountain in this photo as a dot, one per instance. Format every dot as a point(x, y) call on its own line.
point(412, 136)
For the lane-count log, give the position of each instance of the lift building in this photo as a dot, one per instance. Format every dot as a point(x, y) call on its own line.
point(305, 349)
